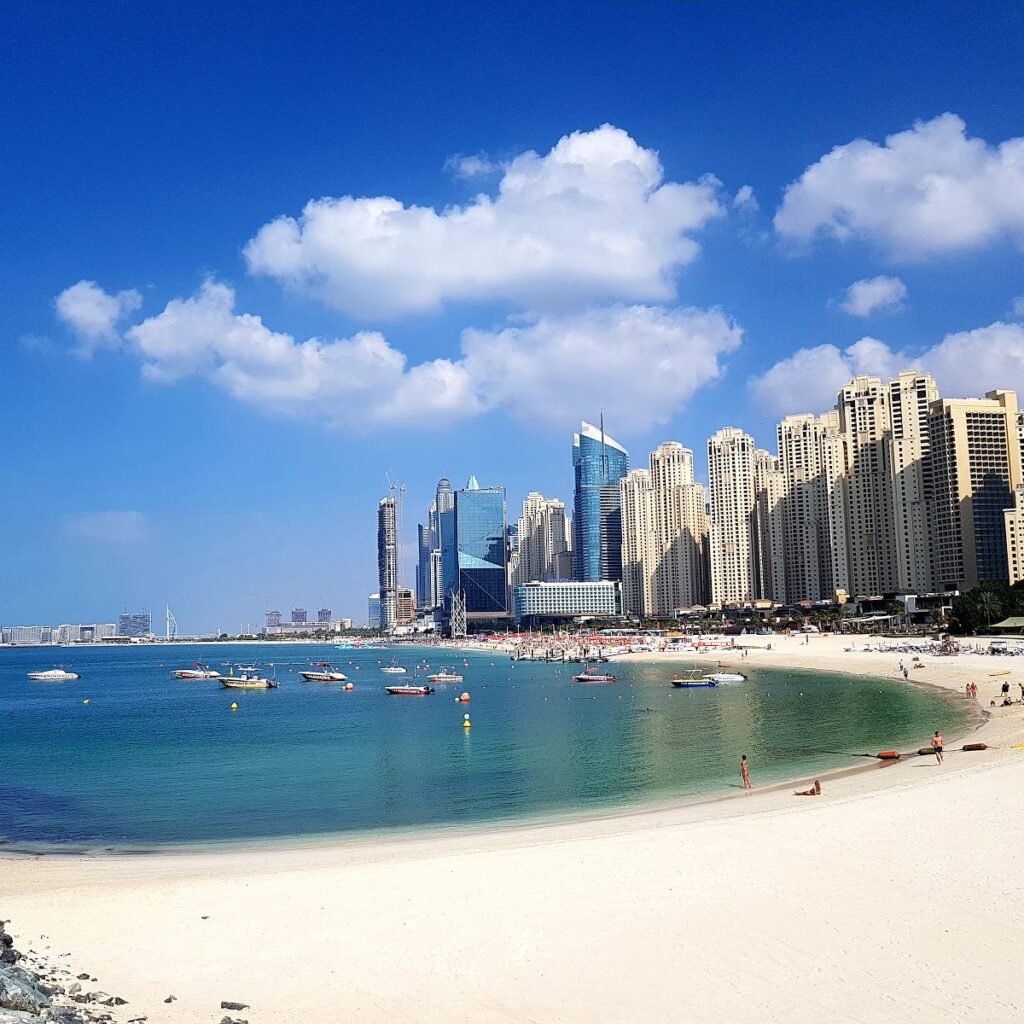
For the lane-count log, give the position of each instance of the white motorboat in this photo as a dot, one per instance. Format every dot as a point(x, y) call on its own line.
point(725, 677)
point(394, 669)
point(53, 675)
point(446, 675)
point(247, 678)
point(323, 672)
point(196, 672)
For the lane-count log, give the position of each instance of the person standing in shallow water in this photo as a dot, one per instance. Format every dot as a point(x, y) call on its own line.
point(745, 772)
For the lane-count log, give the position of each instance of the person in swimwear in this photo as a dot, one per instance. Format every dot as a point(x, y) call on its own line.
point(745, 772)
point(815, 790)
point(937, 746)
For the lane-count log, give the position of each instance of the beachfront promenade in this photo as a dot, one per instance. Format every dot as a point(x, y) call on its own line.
point(893, 896)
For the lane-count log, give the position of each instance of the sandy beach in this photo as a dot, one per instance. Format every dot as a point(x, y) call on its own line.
point(893, 896)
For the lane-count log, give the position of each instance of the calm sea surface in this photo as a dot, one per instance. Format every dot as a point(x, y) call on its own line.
point(155, 760)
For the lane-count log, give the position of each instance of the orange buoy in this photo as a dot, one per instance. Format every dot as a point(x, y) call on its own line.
point(349, 686)
point(975, 746)
point(888, 755)
point(464, 698)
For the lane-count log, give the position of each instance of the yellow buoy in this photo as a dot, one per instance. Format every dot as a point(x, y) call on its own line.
point(85, 701)
point(234, 707)
point(466, 724)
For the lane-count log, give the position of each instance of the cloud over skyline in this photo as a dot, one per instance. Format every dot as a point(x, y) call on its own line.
point(590, 220)
point(642, 363)
point(965, 364)
point(928, 190)
point(871, 294)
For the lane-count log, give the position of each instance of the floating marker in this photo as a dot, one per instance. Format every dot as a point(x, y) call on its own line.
point(466, 724)
point(234, 707)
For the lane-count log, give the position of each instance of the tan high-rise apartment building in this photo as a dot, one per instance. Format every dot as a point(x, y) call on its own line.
point(731, 476)
point(664, 535)
point(814, 462)
point(975, 470)
point(911, 395)
point(769, 537)
point(863, 407)
point(543, 553)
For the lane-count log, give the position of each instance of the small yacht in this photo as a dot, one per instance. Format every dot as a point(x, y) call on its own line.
point(196, 672)
point(53, 675)
point(692, 678)
point(591, 675)
point(394, 669)
point(323, 672)
point(446, 675)
point(248, 678)
point(725, 677)
point(410, 690)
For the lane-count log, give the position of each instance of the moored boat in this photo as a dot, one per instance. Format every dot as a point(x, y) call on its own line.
point(446, 675)
point(409, 690)
point(53, 675)
point(323, 672)
point(247, 678)
point(725, 677)
point(692, 679)
point(593, 676)
point(394, 669)
point(196, 672)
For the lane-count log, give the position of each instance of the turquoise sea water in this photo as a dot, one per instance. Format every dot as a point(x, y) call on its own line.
point(155, 760)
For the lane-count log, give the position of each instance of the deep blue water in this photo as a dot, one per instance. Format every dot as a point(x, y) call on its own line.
point(155, 760)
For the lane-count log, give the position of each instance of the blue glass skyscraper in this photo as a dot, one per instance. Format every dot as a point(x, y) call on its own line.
point(599, 464)
point(474, 556)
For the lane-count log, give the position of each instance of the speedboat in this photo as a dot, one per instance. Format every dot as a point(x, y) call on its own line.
point(196, 672)
point(446, 675)
point(409, 690)
point(714, 678)
point(247, 679)
point(322, 672)
point(692, 679)
point(53, 675)
point(593, 676)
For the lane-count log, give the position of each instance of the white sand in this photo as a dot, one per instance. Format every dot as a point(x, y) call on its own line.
point(893, 897)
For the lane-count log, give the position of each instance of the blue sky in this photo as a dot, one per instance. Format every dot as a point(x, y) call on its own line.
point(175, 231)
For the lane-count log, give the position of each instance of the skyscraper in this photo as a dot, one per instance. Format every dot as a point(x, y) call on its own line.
point(731, 475)
point(542, 538)
point(910, 397)
point(474, 554)
point(387, 560)
point(863, 407)
point(134, 624)
point(664, 534)
point(599, 463)
point(975, 469)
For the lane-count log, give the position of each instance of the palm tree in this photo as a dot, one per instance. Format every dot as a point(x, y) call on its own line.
point(988, 605)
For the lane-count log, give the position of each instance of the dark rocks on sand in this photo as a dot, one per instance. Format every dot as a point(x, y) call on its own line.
point(226, 1004)
point(170, 999)
point(19, 991)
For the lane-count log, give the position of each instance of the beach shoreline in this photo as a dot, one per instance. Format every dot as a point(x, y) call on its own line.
point(566, 920)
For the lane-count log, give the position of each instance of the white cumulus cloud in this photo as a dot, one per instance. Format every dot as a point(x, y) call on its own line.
point(590, 220)
point(93, 314)
point(965, 364)
point(1018, 306)
point(472, 165)
point(640, 363)
point(928, 190)
point(874, 293)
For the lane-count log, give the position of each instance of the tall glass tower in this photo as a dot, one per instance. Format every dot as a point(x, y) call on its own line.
point(599, 464)
point(474, 555)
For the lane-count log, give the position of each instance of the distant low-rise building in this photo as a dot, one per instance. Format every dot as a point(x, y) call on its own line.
point(539, 601)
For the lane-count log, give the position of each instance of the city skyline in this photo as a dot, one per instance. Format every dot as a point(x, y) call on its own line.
point(204, 384)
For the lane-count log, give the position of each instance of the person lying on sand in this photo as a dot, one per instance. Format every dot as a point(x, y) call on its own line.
point(815, 790)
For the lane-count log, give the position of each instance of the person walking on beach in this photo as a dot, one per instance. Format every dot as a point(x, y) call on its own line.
point(745, 772)
point(937, 746)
